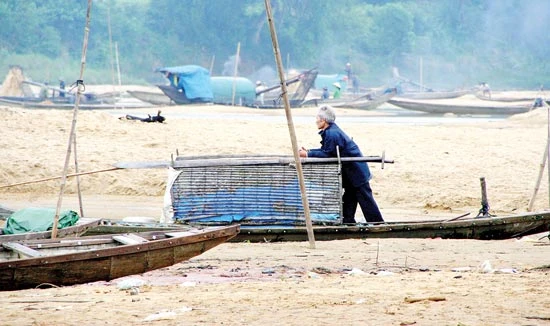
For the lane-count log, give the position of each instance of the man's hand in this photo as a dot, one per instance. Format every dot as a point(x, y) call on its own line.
point(302, 152)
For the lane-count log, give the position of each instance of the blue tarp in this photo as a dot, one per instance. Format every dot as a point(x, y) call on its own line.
point(260, 204)
point(192, 79)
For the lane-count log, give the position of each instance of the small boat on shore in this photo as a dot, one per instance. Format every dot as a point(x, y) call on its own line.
point(460, 108)
point(365, 102)
point(154, 98)
point(476, 228)
point(48, 104)
point(69, 261)
point(432, 95)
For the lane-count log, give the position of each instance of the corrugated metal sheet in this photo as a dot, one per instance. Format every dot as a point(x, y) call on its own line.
point(262, 193)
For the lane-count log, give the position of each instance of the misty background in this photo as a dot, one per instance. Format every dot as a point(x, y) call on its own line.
point(444, 44)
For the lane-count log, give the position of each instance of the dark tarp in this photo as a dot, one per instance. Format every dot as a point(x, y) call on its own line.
point(35, 219)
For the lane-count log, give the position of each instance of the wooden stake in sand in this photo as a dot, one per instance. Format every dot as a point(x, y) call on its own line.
point(80, 90)
point(290, 123)
point(545, 157)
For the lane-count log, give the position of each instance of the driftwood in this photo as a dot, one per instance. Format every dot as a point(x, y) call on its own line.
point(414, 300)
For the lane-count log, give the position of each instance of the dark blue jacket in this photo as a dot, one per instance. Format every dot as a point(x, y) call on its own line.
point(354, 173)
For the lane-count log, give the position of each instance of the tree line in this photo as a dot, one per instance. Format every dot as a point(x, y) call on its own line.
point(444, 44)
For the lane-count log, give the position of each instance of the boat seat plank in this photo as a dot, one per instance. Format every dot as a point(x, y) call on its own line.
point(182, 233)
point(129, 239)
point(21, 249)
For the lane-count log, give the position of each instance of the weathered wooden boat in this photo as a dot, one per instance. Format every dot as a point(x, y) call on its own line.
point(69, 261)
point(477, 228)
point(459, 108)
point(154, 98)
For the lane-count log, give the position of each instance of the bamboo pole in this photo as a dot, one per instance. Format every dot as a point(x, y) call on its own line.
point(235, 72)
point(80, 90)
point(76, 169)
point(539, 178)
point(290, 123)
point(118, 68)
point(56, 178)
point(548, 151)
point(110, 45)
point(212, 64)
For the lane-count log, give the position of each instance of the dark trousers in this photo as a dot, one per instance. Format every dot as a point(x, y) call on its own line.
point(362, 195)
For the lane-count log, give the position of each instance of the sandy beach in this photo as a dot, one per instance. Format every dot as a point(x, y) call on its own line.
point(437, 171)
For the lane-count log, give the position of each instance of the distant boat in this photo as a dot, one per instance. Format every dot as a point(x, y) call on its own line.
point(69, 261)
point(154, 98)
point(193, 84)
point(48, 104)
point(496, 97)
point(455, 107)
point(425, 95)
point(364, 102)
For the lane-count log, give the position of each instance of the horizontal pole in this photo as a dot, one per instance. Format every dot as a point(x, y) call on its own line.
point(55, 178)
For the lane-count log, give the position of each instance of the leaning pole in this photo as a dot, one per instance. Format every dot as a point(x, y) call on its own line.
point(290, 123)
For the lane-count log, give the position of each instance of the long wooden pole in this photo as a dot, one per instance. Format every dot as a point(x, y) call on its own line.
point(56, 178)
point(77, 171)
point(235, 72)
point(290, 123)
point(548, 151)
point(212, 64)
point(80, 90)
point(110, 45)
point(539, 178)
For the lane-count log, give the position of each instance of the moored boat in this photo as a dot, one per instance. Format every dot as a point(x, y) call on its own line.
point(462, 107)
point(69, 261)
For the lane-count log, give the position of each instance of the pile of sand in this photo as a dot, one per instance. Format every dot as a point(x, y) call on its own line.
point(13, 83)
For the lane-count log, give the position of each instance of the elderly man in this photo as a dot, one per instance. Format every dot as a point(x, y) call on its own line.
point(355, 175)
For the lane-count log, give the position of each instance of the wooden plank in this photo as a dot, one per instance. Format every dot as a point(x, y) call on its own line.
point(136, 237)
point(21, 249)
point(183, 233)
point(129, 239)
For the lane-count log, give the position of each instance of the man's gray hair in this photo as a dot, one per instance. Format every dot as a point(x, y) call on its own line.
point(326, 112)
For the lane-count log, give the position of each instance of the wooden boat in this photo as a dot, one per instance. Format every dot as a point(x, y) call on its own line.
point(478, 228)
point(152, 97)
point(501, 98)
point(69, 261)
point(261, 193)
point(364, 102)
point(482, 228)
point(466, 107)
point(81, 226)
point(432, 95)
point(47, 104)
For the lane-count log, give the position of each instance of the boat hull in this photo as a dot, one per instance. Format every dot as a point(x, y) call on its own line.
point(442, 108)
point(106, 261)
point(483, 228)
